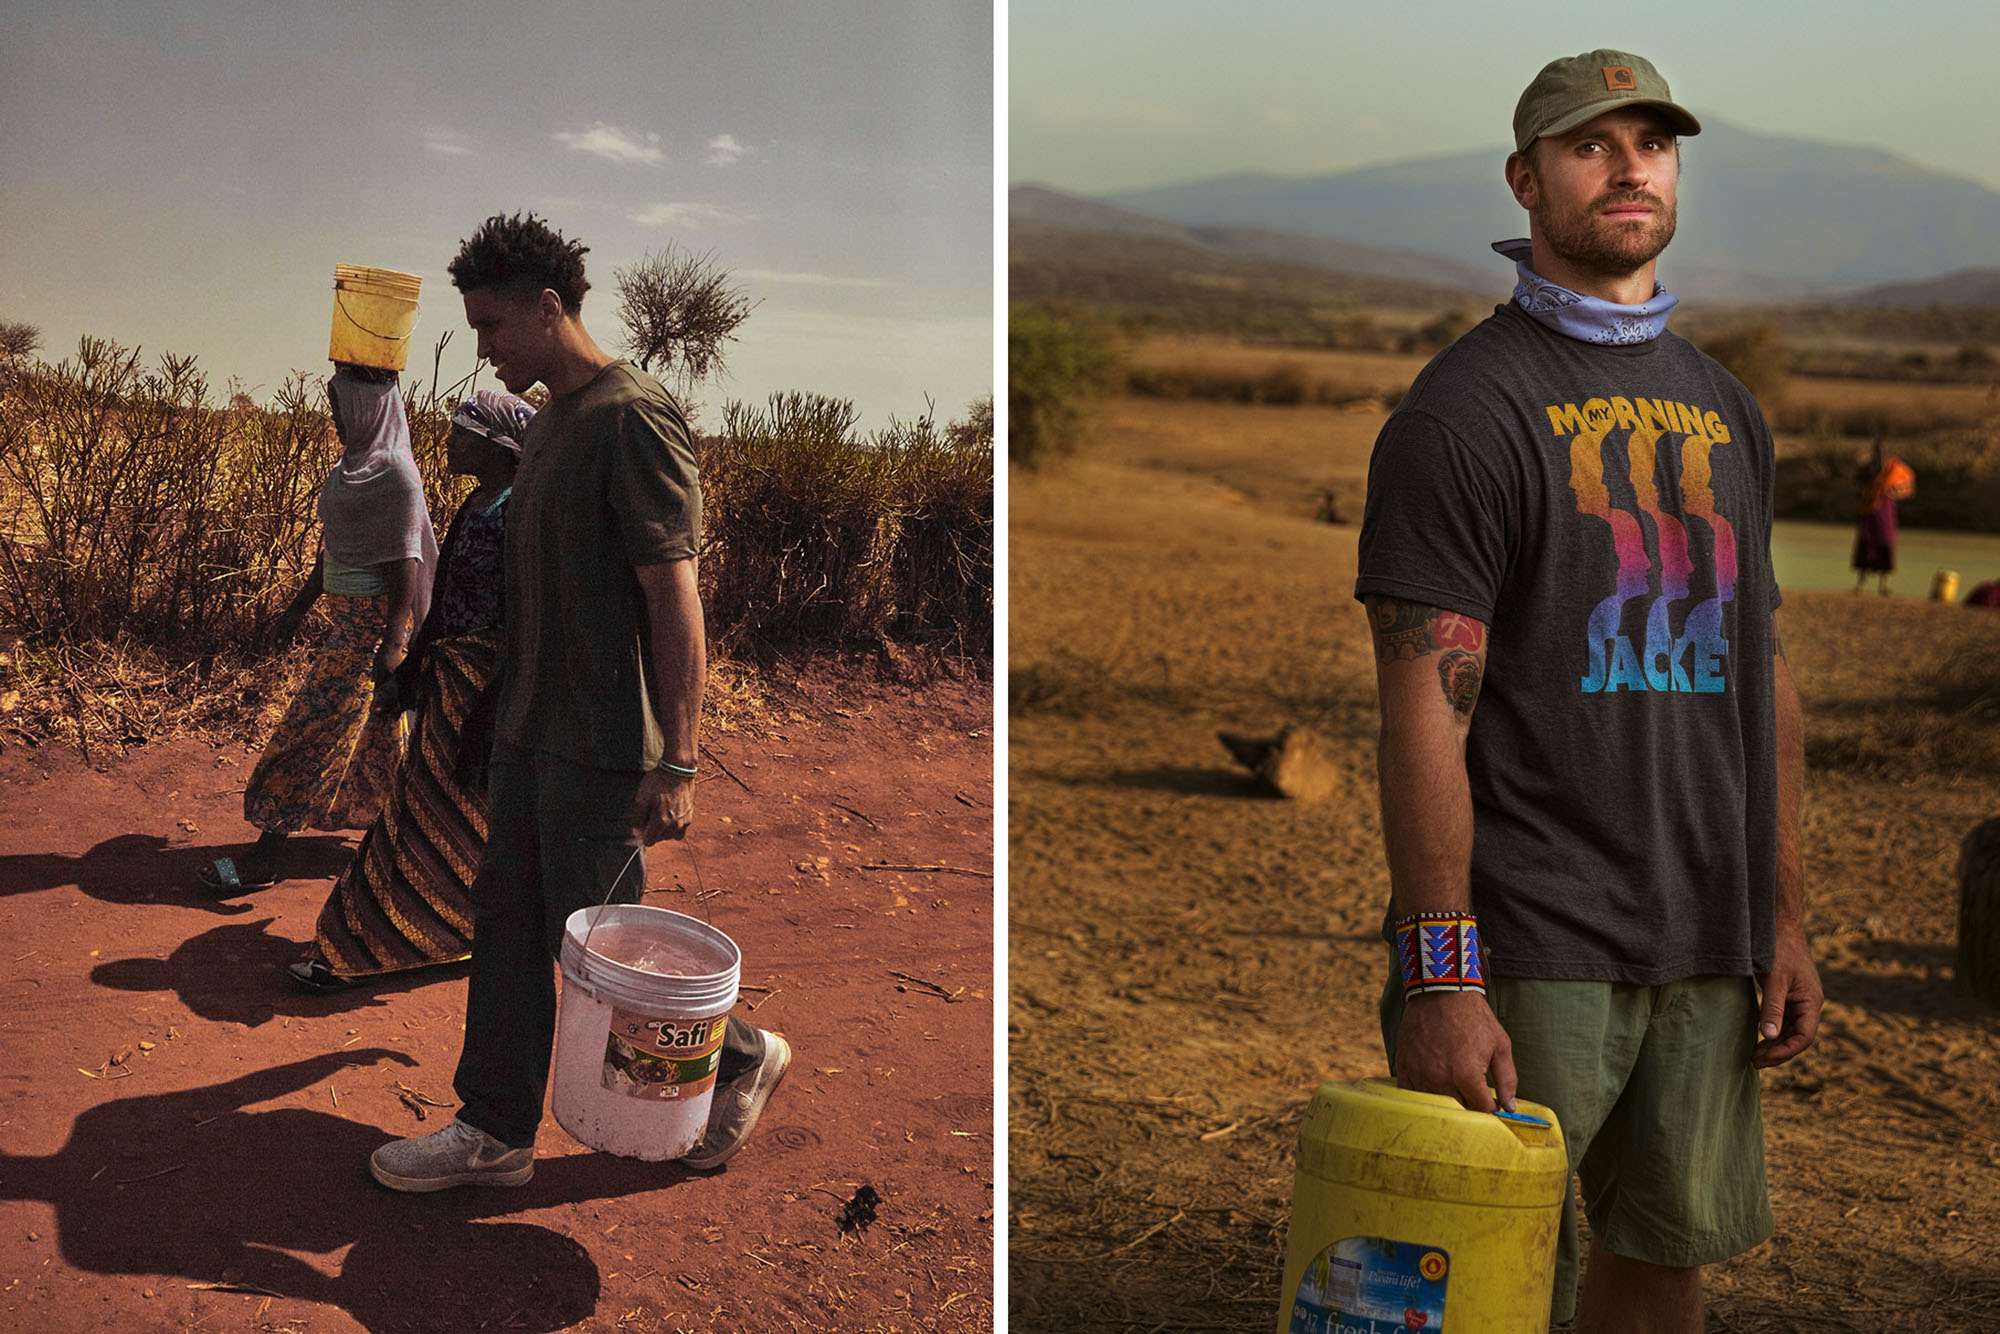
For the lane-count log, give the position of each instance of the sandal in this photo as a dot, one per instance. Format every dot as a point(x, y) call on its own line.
point(316, 974)
point(226, 875)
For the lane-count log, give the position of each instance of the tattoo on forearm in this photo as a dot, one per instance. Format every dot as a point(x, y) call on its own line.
point(1459, 674)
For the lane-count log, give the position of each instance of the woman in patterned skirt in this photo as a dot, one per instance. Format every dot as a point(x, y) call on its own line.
point(328, 763)
point(402, 902)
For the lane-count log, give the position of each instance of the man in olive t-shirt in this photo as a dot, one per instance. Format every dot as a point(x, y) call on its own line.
point(607, 485)
point(602, 673)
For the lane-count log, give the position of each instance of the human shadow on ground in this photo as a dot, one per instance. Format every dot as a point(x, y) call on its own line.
point(1920, 983)
point(235, 974)
point(189, 1184)
point(141, 869)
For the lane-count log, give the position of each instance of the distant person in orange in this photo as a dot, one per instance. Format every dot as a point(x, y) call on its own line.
point(1884, 479)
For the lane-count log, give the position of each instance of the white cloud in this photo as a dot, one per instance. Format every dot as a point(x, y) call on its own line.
point(723, 150)
point(445, 143)
point(692, 216)
point(612, 144)
point(807, 279)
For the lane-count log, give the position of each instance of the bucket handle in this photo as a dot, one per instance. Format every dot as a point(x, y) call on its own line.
point(387, 338)
point(598, 917)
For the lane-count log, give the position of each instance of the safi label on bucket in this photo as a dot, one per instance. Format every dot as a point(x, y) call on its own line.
point(646, 995)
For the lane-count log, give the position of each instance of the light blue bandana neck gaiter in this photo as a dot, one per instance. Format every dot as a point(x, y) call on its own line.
point(1588, 319)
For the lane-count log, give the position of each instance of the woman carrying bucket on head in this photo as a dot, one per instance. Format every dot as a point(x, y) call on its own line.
point(403, 901)
point(328, 763)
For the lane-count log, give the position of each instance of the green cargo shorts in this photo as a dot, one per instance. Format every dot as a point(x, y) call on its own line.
point(1659, 1106)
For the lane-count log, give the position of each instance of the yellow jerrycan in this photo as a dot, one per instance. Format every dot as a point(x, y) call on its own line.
point(1412, 1214)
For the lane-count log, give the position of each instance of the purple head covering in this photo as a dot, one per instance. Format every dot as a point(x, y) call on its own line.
point(371, 506)
point(501, 418)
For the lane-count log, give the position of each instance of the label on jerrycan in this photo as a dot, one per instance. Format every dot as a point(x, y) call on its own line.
point(1372, 1285)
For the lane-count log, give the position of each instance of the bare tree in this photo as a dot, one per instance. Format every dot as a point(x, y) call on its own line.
point(18, 340)
point(679, 308)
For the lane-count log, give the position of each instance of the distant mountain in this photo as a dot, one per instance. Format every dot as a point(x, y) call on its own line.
point(1763, 217)
point(1967, 287)
point(1039, 206)
point(1169, 284)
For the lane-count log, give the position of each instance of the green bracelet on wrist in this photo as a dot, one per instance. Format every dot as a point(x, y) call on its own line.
point(678, 770)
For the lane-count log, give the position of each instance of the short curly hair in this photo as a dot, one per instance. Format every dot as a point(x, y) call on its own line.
point(522, 253)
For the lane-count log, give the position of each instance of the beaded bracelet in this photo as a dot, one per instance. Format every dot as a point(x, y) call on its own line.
point(1439, 951)
point(678, 770)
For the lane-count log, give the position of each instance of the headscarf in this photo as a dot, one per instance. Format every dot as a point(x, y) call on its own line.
point(371, 506)
point(501, 418)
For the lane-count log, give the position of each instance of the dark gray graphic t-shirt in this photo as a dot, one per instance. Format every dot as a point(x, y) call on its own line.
point(1606, 512)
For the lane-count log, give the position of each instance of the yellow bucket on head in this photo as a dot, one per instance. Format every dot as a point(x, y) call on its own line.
point(1412, 1213)
point(1944, 586)
point(374, 313)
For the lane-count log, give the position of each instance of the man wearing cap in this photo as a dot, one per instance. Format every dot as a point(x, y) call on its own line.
point(1590, 754)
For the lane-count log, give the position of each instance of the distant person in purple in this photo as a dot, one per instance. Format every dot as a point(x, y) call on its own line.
point(1590, 755)
point(1883, 480)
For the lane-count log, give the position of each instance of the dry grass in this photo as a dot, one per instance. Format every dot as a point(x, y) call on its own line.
point(148, 538)
point(1867, 408)
point(1188, 961)
point(1355, 372)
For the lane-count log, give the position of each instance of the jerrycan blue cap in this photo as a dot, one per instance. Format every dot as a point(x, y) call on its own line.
point(1520, 1118)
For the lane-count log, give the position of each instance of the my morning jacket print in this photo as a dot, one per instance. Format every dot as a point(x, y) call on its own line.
point(1605, 513)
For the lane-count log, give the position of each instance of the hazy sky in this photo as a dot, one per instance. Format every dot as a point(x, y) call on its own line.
point(184, 174)
point(1117, 94)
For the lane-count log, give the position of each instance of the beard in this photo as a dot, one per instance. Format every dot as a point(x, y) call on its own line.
point(1599, 245)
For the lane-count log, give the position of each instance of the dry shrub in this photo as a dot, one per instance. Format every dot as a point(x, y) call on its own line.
point(815, 538)
point(148, 538)
point(1284, 383)
point(1958, 479)
point(1756, 354)
point(133, 509)
point(1054, 368)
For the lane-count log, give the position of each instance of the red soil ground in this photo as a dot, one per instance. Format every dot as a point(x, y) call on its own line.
point(184, 1135)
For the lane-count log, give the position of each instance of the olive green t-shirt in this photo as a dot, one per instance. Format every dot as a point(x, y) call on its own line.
point(607, 482)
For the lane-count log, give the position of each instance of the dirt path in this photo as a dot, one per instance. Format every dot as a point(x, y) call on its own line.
point(1188, 960)
point(174, 1115)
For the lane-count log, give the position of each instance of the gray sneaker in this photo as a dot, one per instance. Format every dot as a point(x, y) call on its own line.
point(458, 1155)
point(737, 1105)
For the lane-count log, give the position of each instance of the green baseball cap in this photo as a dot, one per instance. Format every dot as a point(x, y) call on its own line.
point(1576, 89)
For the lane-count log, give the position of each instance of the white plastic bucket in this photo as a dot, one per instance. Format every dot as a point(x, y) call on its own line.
point(374, 314)
point(639, 1031)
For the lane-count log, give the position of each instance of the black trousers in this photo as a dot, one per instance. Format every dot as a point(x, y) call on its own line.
point(558, 834)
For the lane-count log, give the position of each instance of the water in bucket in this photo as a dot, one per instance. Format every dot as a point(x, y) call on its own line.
point(1412, 1213)
point(639, 1030)
point(374, 313)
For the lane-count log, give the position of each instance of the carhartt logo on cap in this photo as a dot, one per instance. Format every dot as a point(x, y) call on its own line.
point(1620, 79)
